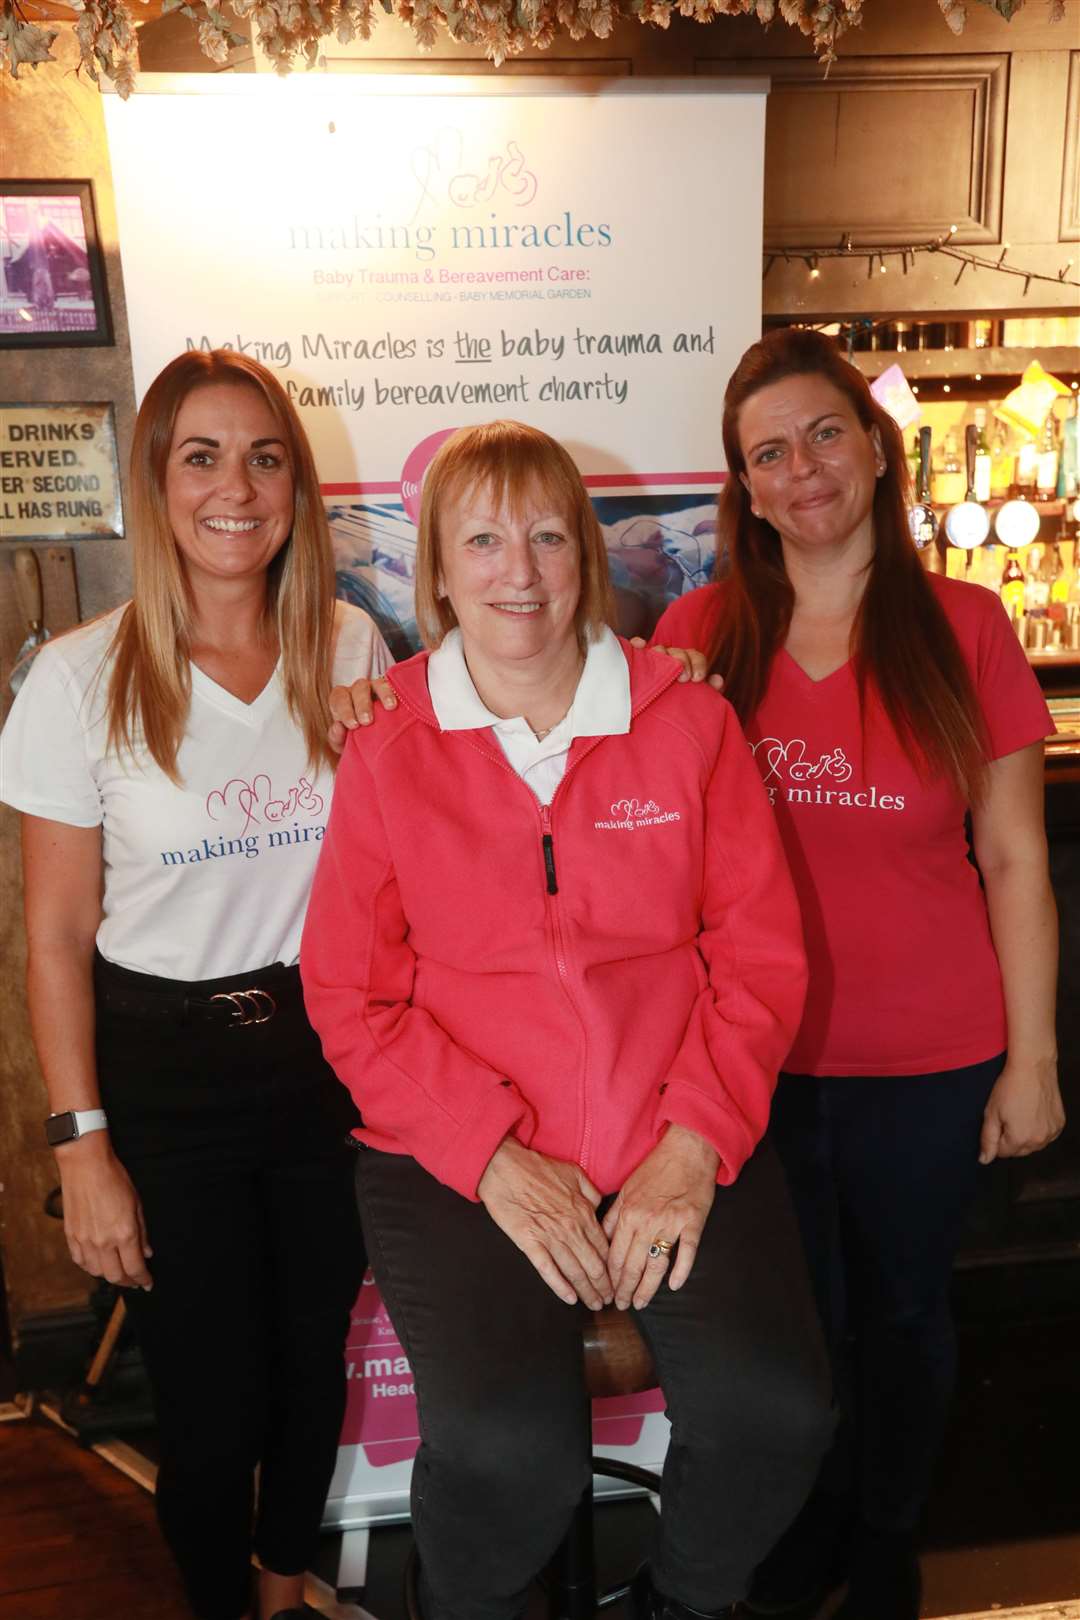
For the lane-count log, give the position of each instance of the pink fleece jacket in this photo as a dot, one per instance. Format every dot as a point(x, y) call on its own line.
point(578, 975)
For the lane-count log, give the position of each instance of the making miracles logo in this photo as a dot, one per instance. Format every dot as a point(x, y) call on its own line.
point(788, 773)
point(630, 814)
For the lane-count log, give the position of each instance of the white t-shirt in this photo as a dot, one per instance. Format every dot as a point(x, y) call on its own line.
point(202, 880)
point(601, 708)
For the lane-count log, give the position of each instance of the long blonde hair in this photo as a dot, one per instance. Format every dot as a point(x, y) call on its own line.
point(149, 692)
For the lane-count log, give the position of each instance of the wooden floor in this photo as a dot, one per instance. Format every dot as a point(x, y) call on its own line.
point(78, 1541)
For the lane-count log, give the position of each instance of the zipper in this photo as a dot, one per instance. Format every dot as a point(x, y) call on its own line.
point(551, 884)
point(546, 811)
point(548, 843)
point(553, 889)
point(564, 973)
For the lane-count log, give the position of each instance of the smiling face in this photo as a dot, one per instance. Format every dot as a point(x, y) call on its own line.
point(512, 576)
point(228, 483)
point(811, 466)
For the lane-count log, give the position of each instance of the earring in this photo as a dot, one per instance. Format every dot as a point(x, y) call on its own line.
point(881, 467)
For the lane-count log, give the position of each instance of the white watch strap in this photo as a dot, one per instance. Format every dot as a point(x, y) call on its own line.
point(89, 1119)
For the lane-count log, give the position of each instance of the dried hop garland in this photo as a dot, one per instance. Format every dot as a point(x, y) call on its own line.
point(290, 31)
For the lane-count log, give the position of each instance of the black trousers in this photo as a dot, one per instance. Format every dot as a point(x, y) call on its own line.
point(236, 1138)
point(882, 1169)
point(498, 1363)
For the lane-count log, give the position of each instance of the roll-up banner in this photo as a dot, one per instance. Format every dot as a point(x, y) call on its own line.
point(410, 255)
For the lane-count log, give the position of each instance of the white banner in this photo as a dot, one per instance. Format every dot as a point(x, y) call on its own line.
point(410, 255)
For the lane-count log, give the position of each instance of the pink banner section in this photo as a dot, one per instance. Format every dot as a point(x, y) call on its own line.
point(380, 1413)
point(608, 481)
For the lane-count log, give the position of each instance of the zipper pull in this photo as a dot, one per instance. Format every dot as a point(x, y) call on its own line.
point(549, 864)
point(549, 850)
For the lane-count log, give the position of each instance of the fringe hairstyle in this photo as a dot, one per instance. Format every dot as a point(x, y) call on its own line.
point(149, 690)
point(508, 459)
point(901, 640)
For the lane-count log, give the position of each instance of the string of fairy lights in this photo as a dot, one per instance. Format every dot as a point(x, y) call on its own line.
point(877, 259)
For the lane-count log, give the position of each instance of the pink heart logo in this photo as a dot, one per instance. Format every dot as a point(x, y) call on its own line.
point(245, 796)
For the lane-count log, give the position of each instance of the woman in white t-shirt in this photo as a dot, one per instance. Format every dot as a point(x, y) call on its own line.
point(170, 763)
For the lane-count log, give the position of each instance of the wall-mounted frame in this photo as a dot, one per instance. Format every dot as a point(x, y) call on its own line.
point(52, 276)
point(59, 472)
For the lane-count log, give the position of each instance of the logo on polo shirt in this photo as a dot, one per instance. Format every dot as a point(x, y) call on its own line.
point(629, 814)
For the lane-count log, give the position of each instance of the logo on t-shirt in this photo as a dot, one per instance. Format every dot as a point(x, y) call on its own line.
point(257, 802)
point(288, 818)
point(798, 778)
point(629, 814)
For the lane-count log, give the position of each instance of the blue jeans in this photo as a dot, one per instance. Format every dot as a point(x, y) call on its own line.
point(882, 1169)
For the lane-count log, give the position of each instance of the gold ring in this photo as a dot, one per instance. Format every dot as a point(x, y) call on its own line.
point(660, 1248)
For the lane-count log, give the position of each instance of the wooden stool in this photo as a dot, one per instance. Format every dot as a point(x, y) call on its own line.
point(617, 1362)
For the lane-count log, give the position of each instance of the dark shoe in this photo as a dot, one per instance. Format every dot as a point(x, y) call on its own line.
point(885, 1582)
point(646, 1603)
point(809, 1561)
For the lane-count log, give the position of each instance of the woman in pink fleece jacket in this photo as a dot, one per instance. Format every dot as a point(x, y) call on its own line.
point(554, 953)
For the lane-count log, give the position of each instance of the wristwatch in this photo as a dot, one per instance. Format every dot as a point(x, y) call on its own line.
point(73, 1123)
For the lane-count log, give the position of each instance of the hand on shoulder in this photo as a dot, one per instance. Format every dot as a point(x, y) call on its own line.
point(695, 666)
point(352, 706)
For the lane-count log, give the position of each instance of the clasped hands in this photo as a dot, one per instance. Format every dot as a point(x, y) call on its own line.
point(548, 1207)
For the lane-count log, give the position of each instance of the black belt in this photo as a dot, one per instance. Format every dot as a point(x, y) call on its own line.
point(237, 1002)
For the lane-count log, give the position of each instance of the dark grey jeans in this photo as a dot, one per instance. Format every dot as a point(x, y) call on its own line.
point(497, 1360)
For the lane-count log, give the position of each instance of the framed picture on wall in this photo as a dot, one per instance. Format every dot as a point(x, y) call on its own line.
point(52, 275)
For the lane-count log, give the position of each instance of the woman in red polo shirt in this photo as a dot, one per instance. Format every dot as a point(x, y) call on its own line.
point(882, 704)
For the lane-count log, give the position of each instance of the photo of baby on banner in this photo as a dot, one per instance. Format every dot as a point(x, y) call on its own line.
point(658, 545)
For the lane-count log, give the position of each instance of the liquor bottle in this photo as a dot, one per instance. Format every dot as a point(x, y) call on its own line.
point(949, 485)
point(1027, 468)
point(1047, 470)
point(1069, 474)
point(1001, 464)
point(982, 458)
point(1012, 586)
point(922, 517)
point(1059, 584)
point(1037, 589)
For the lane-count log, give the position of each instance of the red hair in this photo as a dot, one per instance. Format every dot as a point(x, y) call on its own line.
point(507, 458)
point(901, 640)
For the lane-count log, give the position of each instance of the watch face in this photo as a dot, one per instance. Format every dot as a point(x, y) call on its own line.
point(60, 1128)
